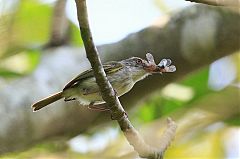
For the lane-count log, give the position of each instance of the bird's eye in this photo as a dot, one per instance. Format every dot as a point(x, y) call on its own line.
point(139, 61)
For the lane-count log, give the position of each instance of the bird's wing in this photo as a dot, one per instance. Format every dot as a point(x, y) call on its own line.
point(80, 77)
point(109, 67)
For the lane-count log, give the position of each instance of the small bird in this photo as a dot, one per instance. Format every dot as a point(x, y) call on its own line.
point(122, 75)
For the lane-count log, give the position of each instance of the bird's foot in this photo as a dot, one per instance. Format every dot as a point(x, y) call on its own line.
point(120, 116)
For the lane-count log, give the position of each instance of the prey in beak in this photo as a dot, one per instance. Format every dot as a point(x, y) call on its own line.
point(163, 66)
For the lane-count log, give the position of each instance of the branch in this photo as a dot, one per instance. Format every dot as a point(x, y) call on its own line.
point(110, 97)
point(229, 3)
point(60, 25)
point(106, 89)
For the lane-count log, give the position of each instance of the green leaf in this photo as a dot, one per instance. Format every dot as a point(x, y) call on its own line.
point(147, 112)
point(234, 120)
point(9, 74)
point(160, 105)
point(32, 23)
point(33, 59)
point(199, 82)
point(76, 39)
point(20, 64)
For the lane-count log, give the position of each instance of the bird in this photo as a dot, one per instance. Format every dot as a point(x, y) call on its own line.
point(121, 74)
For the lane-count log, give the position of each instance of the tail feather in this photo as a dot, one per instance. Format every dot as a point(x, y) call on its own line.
point(46, 101)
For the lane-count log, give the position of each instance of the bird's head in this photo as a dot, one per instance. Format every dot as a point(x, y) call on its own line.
point(136, 64)
point(140, 68)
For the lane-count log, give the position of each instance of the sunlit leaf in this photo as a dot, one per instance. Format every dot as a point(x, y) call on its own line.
point(234, 120)
point(26, 26)
point(21, 63)
point(32, 23)
point(204, 146)
point(8, 73)
point(162, 103)
point(162, 6)
point(199, 82)
point(147, 112)
point(76, 39)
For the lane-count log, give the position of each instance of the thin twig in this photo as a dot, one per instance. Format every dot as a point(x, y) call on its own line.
point(108, 94)
point(106, 89)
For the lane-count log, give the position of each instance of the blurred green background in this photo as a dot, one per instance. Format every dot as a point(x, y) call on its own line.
point(205, 103)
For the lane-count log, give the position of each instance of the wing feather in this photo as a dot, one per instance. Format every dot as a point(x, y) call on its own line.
point(109, 67)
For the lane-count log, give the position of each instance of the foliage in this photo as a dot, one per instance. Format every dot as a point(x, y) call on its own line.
point(27, 30)
point(160, 105)
point(20, 64)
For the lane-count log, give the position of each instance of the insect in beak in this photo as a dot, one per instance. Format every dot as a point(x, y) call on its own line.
point(163, 66)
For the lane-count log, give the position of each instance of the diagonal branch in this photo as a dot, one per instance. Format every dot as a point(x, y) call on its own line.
point(106, 89)
point(229, 3)
point(112, 100)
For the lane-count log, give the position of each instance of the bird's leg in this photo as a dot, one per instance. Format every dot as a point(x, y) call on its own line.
point(99, 107)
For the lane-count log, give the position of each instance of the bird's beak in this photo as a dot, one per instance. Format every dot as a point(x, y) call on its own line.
point(164, 66)
point(149, 67)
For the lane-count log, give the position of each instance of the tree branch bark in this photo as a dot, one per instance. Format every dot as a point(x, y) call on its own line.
point(193, 38)
point(60, 25)
point(106, 89)
point(226, 3)
point(109, 96)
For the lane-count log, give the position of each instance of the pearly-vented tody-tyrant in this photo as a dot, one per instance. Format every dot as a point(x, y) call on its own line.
point(122, 75)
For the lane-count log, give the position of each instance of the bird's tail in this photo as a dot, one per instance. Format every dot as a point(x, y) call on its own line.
point(46, 101)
